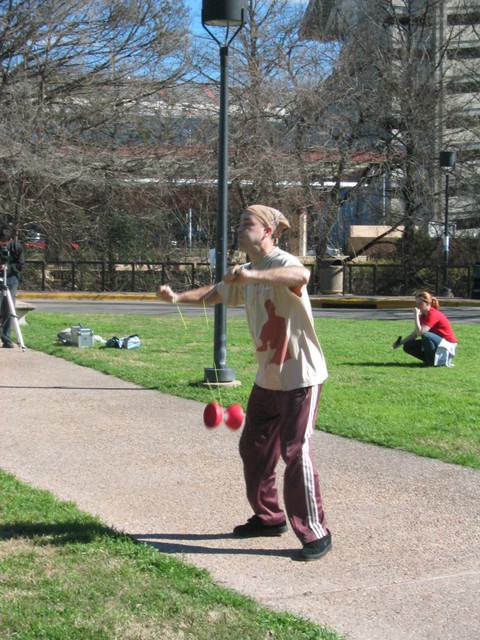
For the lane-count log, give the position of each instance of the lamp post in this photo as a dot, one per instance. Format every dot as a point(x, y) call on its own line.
point(447, 162)
point(226, 14)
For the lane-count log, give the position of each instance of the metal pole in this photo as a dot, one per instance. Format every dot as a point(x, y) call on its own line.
point(446, 241)
point(229, 13)
point(220, 373)
point(447, 161)
point(190, 229)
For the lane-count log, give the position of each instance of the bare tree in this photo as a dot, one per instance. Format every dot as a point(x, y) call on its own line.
point(78, 81)
point(299, 127)
point(398, 93)
point(273, 72)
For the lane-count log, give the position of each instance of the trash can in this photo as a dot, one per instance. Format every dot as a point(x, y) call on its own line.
point(476, 282)
point(330, 278)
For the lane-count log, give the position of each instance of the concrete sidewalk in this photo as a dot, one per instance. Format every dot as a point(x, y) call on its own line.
point(405, 562)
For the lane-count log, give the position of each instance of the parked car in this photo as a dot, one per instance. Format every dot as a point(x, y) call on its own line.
point(330, 251)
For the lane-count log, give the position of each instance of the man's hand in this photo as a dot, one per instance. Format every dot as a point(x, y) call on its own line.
point(165, 293)
point(232, 274)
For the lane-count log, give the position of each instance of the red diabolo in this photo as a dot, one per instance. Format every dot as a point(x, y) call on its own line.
point(234, 416)
point(213, 415)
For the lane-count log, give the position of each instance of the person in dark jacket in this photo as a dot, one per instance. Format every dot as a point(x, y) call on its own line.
point(12, 260)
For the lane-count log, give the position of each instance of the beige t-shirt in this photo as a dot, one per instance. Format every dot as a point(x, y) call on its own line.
point(288, 353)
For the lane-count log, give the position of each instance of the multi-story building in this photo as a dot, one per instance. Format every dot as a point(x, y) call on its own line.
point(446, 35)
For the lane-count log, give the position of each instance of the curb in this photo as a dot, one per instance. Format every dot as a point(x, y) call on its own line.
point(318, 301)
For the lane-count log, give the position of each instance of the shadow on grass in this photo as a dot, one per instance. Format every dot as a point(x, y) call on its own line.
point(56, 534)
point(70, 388)
point(403, 365)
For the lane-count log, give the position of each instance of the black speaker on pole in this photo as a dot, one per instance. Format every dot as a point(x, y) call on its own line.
point(448, 159)
point(224, 13)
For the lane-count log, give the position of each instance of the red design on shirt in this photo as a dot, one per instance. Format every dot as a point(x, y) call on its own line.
point(273, 335)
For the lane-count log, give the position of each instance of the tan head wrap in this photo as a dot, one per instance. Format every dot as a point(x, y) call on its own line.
point(270, 218)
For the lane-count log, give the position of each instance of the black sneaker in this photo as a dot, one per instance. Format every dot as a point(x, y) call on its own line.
point(397, 342)
point(317, 548)
point(8, 345)
point(255, 528)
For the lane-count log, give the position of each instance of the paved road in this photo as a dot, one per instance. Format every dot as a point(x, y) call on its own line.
point(457, 315)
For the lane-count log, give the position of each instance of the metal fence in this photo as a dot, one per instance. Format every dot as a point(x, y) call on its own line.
point(100, 276)
point(396, 280)
point(356, 278)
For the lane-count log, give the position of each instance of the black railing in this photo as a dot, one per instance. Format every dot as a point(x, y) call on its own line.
point(101, 276)
point(397, 280)
point(356, 278)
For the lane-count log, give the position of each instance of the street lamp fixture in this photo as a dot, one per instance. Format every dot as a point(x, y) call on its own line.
point(447, 163)
point(225, 14)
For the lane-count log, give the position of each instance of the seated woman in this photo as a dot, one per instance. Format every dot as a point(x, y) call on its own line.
point(432, 341)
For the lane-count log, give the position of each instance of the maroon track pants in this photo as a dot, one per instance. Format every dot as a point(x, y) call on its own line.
point(281, 423)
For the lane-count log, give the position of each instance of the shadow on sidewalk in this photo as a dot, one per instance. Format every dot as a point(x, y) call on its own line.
point(156, 541)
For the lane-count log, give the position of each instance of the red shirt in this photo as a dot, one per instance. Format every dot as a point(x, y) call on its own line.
point(439, 324)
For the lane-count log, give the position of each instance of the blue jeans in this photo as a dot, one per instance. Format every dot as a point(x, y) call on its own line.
point(423, 348)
